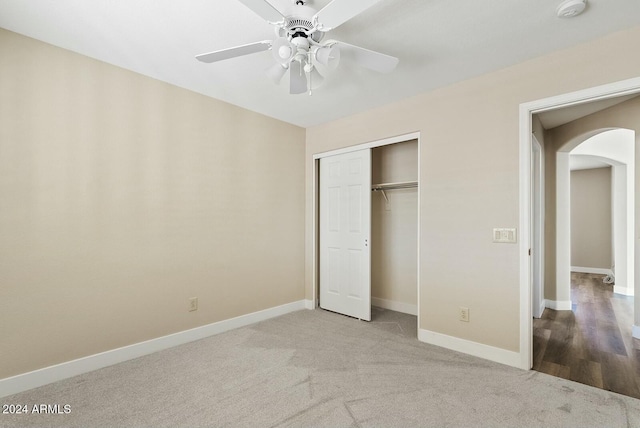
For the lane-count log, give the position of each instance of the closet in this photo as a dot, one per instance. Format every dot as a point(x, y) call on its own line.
point(394, 227)
point(368, 229)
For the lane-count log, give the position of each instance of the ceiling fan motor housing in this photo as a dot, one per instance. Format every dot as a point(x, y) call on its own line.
point(300, 23)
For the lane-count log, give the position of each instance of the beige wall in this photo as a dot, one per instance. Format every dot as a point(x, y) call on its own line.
point(469, 179)
point(591, 229)
point(394, 226)
point(122, 196)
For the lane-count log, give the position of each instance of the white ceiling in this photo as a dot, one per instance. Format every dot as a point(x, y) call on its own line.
point(438, 42)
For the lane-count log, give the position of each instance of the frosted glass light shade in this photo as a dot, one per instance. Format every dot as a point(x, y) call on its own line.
point(329, 56)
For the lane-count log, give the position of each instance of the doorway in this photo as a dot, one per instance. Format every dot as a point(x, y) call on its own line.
point(583, 98)
point(385, 196)
point(590, 340)
point(394, 227)
point(612, 148)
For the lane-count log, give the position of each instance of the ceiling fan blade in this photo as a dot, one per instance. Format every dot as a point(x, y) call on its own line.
point(340, 11)
point(234, 52)
point(263, 9)
point(372, 60)
point(298, 79)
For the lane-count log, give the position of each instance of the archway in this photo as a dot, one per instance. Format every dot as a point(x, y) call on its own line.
point(628, 118)
point(577, 340)
point(614, 146)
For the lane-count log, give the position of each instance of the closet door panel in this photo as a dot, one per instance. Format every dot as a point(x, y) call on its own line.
point(345, 223)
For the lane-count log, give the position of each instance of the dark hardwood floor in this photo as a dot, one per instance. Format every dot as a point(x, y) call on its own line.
point(591, 344)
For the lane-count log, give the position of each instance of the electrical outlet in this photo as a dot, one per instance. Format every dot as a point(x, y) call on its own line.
point(193, 304)
point(464, 314)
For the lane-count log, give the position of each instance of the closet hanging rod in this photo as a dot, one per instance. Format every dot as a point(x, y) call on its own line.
point(391, 186)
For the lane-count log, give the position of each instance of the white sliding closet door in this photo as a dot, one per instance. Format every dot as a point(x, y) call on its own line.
point(345, 226)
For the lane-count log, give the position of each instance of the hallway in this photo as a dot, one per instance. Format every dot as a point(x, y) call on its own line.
point(592, 344)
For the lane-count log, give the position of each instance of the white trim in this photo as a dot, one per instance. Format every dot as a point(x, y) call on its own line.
point(635, 331)
point(539, 217)
point(476, 349)
point(624, 87)
point(370, 145)
point(315, 231)
point(36, 378)
point(405, 308)
point(596, 93)
point(418, 231)
point(563, 227)
point(526, 315)
point(308, 304)
point(599, 271)
point(623, 290)
point(558, 305)
point(543, 305)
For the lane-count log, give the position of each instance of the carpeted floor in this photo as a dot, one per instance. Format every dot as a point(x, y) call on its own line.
point(316, 368)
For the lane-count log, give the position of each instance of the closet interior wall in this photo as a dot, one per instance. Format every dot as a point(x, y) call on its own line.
point(394, 228)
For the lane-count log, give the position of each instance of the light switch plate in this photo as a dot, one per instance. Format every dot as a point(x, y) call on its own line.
point(505, 235)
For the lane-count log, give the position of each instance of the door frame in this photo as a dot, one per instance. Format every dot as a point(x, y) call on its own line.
point(537, 225)
point(611, 90)
point(315, 205)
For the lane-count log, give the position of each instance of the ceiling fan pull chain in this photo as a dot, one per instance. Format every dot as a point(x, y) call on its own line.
point(309, 83)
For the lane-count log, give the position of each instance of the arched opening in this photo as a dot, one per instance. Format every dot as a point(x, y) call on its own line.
point(588, 327)
point(566, 121)
point(615, 147)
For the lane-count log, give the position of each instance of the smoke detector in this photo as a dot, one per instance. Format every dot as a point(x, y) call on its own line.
point(571, 8)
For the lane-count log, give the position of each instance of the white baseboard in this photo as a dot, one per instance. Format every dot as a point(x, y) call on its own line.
point(476, 349)
point(622, 290)
point(558, 305)
point(635, 331)
point(36, 378)
point(308, 304)
point(600, 271)
point(543, 306)
point(405, 308)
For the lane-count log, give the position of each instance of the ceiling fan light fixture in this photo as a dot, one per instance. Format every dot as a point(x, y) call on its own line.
point(297, 79)
point(315, 79)
point(329, 56)
point(297, 48)
point(282, 50)
point(276, 72)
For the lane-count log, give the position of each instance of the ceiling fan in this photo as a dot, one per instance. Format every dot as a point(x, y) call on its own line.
point(298, 47)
